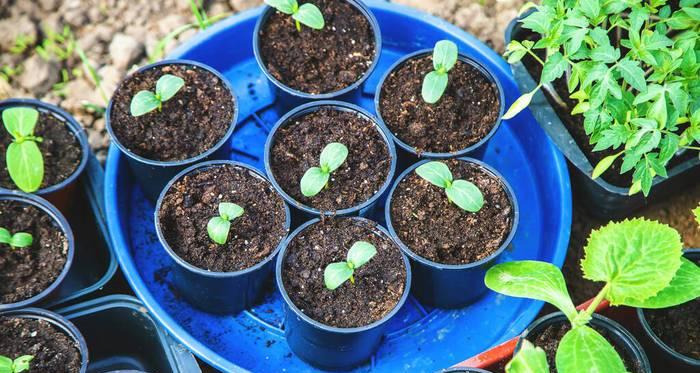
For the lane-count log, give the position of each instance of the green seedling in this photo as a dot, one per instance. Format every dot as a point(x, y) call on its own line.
point(17, 240)
point(641, 264)
point(359, 254)
point(316, 178)
point(18, 365)
point(25, 163)
point(307, 14)
point(462, 193)
point(444, 59)
point(145, 102)
point(219, 226)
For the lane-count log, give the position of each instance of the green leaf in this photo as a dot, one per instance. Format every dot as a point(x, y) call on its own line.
point(336, 274)
point(591, 8)
point(360, 253)
point(515, 51)
point(696, 212)
point(553, 68)
point(309, 15)
point(25, 165)
point(529, 359)
point(284, 6)
point(21, 363)
point(534, 280)
point(436, 173)
point(657, 111)
point(444, 56)
point(167, 86)
point(5, 236)
point(632, 74)
point(313, 181)
point(605, 53)
point(21, 239)
point(466, 195)
point(684, 287)
point(333, 156)
point(520, 104)
point(539, 21)
point(218, 229)
point(694, 13)
point(434, 85)
point(637, 258)
point(20, 121)
point(5, 364)
point(144, 102)
point(230, 211)
point(604, 164)
point(584, 347)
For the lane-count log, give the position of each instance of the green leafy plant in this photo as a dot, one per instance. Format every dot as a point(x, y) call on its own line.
point(307, 14)
point(435, 82)
point(633, 69)
point(696, 212)
point(17, 240)
point(337, 273)
point(58, 45)
point(18, 365)
point(315, 179)
point(641, 263)
point(25, 163)
point(219, 226)
point(462, 193)
point(145, 102)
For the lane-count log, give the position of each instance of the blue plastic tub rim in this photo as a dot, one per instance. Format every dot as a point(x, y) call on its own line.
point(203, 272)
point(288, 301)
point(483, 69)
point(62, 223)
point(268, 10)
point(70, 122)
point(339, 105)
point(413, 255)
point(197, 158)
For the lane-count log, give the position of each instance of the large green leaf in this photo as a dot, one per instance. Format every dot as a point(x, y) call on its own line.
point(144, 102)
point(553, 68)
point(444, 55)
point(584, 348)
point(466, 195)
point(684, 287)
point(529, 359)
point(434, 85)
point(168, 85)
point(336, 274)
point(360, 253)
point(313, 181)
point(309, 15)
point(217, 229)
point(333, 156)
point(436, 172)
point(632, 73)
point(25, 165)
point(20, 121)
point(284, 6)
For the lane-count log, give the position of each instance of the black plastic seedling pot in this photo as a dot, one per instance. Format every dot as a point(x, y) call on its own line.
point(602, 199)
point(661, 353)
point(450, 285)
point(287, 97)
point(58, 322)
point(409, 154)
point(302, 212)
point(218, 292)
point(153, 175)
point(61, 195)
point(52, 291)
point(329, 347)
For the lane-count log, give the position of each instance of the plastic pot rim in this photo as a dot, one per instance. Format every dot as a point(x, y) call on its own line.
point(192, 268)
point(334, 329)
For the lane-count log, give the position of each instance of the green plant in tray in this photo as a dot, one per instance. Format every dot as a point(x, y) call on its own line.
point(17, 240)
point(462, 193)
point(145, 102)
point(25, 164)
point(307, 14)
point(337, 273)
point(315, 179)
point(18, 365)
point(435, 82)
point(219, 226)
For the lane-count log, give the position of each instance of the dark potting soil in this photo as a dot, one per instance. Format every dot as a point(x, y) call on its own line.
point(194, 199)
point(464, 115)
point(319, 61)
point(53, 350)
point(189, 124)
point(298, 145)
point(438, 230)
point(59, 148)
point(379, 284)
point(26, 272)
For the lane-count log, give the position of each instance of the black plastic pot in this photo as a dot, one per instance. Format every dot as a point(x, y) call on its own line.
point(624, 342)
point(661, 354)
point(60, 323)
point(602, 199)
point(63, 194)
point(218, 292)
point(450, 285)
point(153, 175)
point(329, 347)
point(50, 292)
point(287, 97)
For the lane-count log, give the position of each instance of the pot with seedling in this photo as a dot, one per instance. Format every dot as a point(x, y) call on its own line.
point(316, 49)
point(641, 263)
point(44, 150)
point(614, 85)
point(168, 116)
point(440, 104)
point(222, 223)
point(331, 158)
point(453, 219)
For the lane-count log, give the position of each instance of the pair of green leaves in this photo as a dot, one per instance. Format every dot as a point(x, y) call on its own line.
point(315, 179)
point(25, 164)
point(359, 254)
point(462, 193)
point(18, 365)
point(219, 226)
point(307, 14)
point(145, 102)
point(17, 240)
point(444, 59)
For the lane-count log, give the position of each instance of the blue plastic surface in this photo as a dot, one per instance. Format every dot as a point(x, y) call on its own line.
point(419, 339)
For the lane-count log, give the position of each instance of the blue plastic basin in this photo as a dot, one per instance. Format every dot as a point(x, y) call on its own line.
point(418, 339)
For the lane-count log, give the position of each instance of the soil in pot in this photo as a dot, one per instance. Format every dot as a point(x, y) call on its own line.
point(379, 284)
point(465, 114)
point(189, 124)
point(26, 272)
point(319, 61)
point(59, 148)
point(53, 350)
point(297, 147)
point(194, 199)
point(438, 230)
